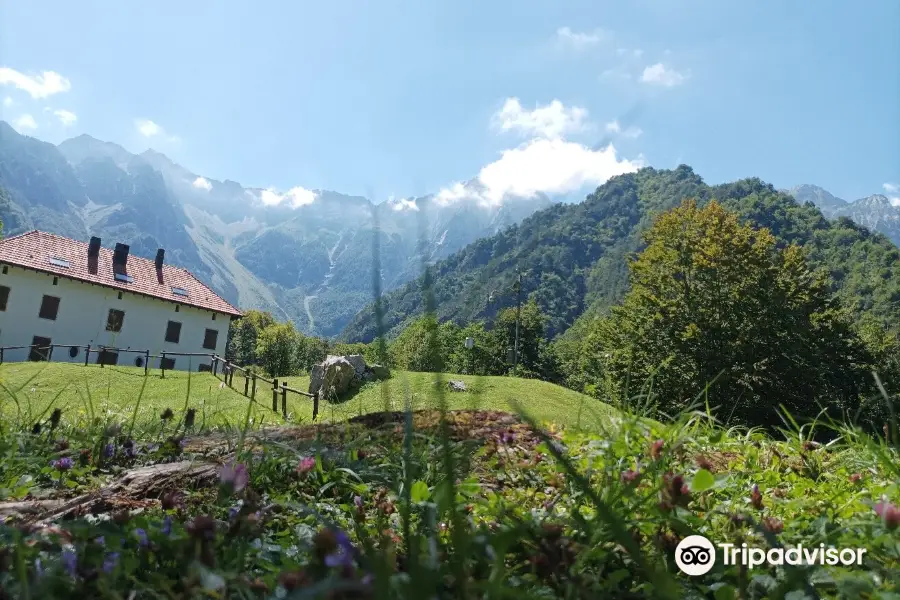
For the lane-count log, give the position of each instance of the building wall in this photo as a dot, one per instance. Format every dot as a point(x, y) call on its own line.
point(82, 318)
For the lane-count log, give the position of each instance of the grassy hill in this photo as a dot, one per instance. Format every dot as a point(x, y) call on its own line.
point(32, 390)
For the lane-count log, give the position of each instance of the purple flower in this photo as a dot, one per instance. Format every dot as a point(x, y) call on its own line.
point(109, 450)
point(234, 475)
point(63, 464)
point(343, 556)
point(110, 562)
point(100, 540)
point(142, 537)
point(233, 512)
point(889, 513)
point(167, 526)
point(130, 449)
point(70, 562)
point(358, 501)
point(507, 437)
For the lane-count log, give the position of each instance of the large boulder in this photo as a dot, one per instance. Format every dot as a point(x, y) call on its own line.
point(334, 376)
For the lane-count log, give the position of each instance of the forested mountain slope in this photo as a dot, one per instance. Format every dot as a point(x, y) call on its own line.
point(573, 258)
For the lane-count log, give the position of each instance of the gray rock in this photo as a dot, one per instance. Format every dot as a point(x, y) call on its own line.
point(358, 362)
point(456, 385)
point(338, 375)
point(316, 376)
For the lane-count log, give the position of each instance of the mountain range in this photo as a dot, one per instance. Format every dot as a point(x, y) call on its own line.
point(310, 255)
point(572, 259)
point(304, 255)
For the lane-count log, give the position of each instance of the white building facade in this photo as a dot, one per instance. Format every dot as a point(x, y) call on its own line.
point(53, 291)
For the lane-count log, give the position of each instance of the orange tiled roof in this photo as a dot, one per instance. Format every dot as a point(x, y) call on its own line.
point(34, 250)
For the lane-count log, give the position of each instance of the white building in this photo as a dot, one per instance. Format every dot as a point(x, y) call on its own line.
point(54, 290)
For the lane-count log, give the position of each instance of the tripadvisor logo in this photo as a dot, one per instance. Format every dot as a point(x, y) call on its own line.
point(696, 555)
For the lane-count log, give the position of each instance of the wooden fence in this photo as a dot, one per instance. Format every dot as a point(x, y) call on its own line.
point(221, 369)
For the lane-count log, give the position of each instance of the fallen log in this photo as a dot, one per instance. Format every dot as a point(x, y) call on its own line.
point(137, 488)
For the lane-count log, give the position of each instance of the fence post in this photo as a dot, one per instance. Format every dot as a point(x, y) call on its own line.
point(162, 365)
point(50, 353)
point(246, 384)
point(1, 356)
point(231, 375)
point(274, 395)
point(215, 365)
point(87, 355)
point(253, 392)
point(100, 356)
point(284, 399)
point(315, 405)
point(146, 362)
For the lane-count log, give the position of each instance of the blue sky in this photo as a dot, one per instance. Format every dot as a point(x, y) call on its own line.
point(408, 97)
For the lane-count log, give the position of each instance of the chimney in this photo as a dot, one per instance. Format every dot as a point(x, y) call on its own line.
point(120, 255)
point(160, 255)
point(94, 247)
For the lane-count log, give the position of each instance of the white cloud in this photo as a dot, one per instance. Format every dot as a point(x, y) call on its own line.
point(66, 117)
point(629, 132)
point(580, 40)
point(202, 183)
point(550, 121)
point(25, 123)
point(147, 128)
point(636, 52)
point(403, 204)
point(659, 74)
point(294, 197)
point(7, 102)
point(37, 86)
point(893, 190)
point(615, 73)
point(551, 166)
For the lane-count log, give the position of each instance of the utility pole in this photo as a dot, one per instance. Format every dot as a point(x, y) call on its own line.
point(517, 287)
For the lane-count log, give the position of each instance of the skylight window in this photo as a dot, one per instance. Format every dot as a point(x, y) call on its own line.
point(59, 262)
point(124, 277)
point(179, 291)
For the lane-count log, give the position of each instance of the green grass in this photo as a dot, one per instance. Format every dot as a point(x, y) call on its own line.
point(115, 391)
point(544, 401)
point(31, 389)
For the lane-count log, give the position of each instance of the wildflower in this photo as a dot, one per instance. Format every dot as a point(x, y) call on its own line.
point(70, 562)
point(704, 463)
point(889, 513)
point(307, 464)
point(507, 437)
point(61, 445)
point(656, 449)
point(171, 500)
point(202, 527)
point(189, 418)
point(675, 492)
point(167, 526)
point(630, 476)
point(293, 580)
point(109, 450)
point(141, 534)
point(100, 540)
point(772, 525)
point(343, 554)
point(55, 416)
point(358, 501)
point(130, 448)
point(756, 499)
point(110, 562)
point(63, 464)
point(167, 414)
point(234, 477)
point(855, 478)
